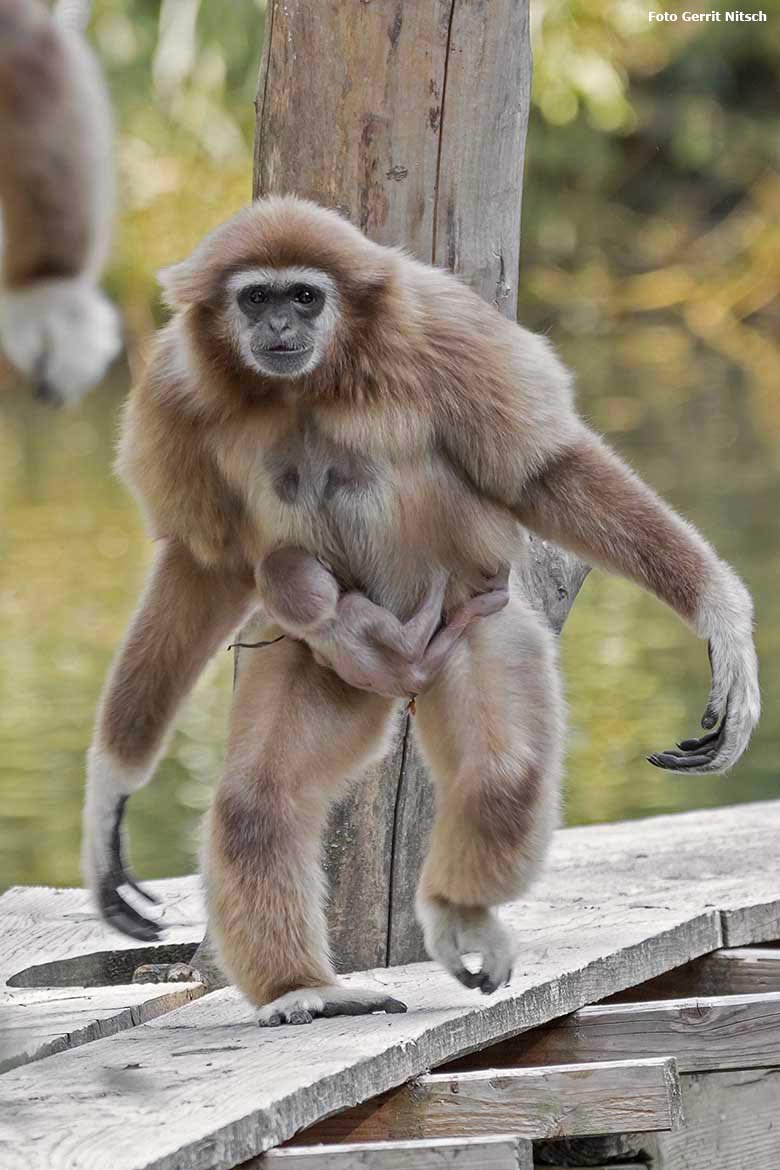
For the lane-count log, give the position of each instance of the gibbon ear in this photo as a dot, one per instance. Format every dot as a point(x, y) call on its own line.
point(180, 283)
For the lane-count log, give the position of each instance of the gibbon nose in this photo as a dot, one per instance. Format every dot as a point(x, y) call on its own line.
point(279, 324)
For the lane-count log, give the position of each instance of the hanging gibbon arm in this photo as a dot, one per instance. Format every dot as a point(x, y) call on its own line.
point(587, 500)
point(56, 200)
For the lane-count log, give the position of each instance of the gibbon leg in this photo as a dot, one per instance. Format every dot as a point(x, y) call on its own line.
point(297, 733)
point(491, 731)
point(185, 613)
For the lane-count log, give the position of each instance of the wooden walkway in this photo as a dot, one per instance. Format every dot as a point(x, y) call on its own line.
point(102, 1073)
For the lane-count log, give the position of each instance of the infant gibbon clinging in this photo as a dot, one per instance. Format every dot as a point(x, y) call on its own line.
point(317, 390)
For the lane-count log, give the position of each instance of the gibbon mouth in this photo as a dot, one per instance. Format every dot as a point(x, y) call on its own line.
point(286, 349)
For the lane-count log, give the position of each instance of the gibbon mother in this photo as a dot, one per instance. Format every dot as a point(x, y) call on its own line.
point(317, 390)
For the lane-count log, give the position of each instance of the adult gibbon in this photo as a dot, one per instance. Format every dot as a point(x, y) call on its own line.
point(317, 392)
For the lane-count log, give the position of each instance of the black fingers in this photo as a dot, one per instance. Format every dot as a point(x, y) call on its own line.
point(487, 984)
point(355, 1007)
point(116, 911)
point(694, 745)
point(470, 979)
point(712, 713)
point(696, 755)
point(678, 762)
point(133, 884)
point(693, 755)
point(121, 915)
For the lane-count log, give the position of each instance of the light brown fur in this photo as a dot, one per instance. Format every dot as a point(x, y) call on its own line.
point(429, 431)
point(56, 198)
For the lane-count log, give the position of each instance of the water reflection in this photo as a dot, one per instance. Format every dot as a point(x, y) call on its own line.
point(73, 555)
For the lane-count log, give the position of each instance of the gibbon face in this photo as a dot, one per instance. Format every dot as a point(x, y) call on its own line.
point(283, 318)
point(286, 291)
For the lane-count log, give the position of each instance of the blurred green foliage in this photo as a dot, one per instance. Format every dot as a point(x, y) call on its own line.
point(651, 254)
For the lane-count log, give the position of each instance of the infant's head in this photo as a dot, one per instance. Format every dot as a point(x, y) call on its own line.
point(298, 587)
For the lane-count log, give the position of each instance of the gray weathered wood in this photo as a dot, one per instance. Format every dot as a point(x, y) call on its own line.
point(485, 95)
point(37, 1023)
point(705, 1034)
point(535, 1103)
point(54, 938)
point(600, 919)
point(731, 1124)
point(736, 971)
point(417, 134)
point(51, 941)
point(486, 1153)
point(214, 1089)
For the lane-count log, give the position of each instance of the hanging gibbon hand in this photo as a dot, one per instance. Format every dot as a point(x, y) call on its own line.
point(317, 395)
point(366, 645)
point(56, 199)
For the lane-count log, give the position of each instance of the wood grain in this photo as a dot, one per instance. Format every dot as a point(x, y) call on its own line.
point(534, 1103)
point(705, 1034)
point(731, 1123)
point(35, 1024)
point(619, 904)
point(489, 1153)
point(737, 971)
point(485, 101)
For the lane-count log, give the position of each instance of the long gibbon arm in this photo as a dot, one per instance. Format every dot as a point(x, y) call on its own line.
point(588, 501)
point(186, 612)
point(56, 201)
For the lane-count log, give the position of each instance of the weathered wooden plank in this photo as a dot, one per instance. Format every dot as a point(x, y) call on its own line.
point(586, 932)
point(703, 1034)
point(737, 971)
point(488, 1153)
point(731, 1123)
point(535, 1103)
point(215, 1090)
point(38, 1023)
point(53, 937)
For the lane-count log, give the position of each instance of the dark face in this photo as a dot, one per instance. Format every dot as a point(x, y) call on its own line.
point(282, 323)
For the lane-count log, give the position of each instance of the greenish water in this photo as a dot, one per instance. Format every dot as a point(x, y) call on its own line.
point(73, 555)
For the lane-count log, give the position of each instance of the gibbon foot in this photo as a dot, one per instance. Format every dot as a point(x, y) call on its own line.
point(453, 931)
point(301, 1007)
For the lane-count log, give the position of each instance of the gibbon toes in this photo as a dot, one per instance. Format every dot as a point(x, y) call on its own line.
point(453, 931)
point(301, 1007)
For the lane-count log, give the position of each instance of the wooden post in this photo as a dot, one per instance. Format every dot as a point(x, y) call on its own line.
point(409, 116)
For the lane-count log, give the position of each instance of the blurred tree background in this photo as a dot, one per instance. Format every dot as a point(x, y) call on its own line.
point(651, 255)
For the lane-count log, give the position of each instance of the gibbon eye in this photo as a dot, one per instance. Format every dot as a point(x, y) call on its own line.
point(304, 295)
point(256, 295)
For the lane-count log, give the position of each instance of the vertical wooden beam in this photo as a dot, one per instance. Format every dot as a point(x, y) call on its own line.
point(409, 116)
